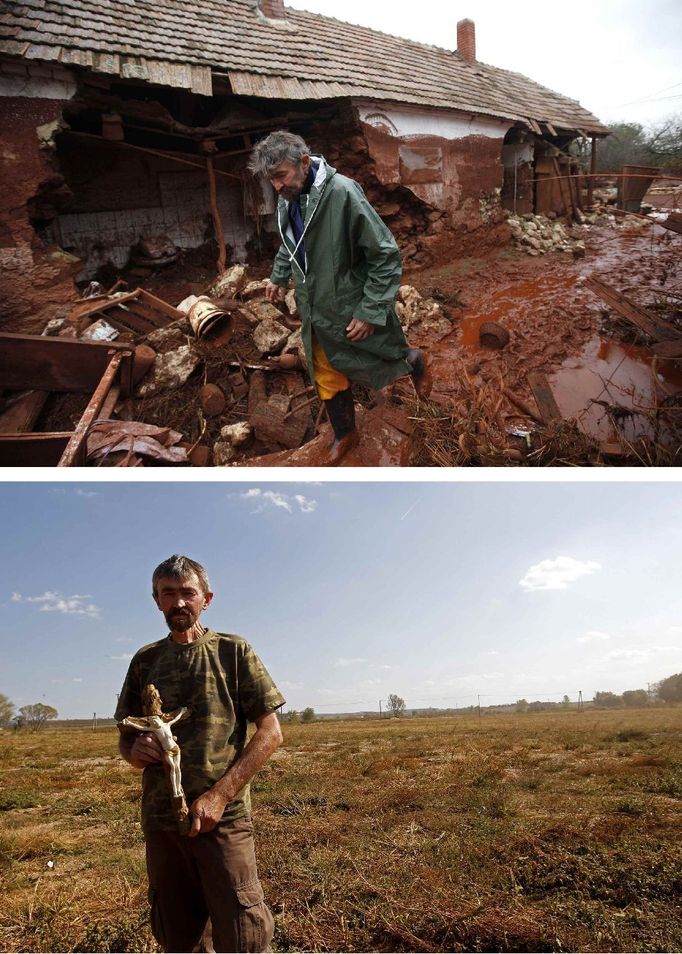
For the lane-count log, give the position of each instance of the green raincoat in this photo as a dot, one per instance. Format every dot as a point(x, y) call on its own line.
point(352, 271)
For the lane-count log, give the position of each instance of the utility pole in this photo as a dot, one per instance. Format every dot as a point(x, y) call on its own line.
point(94, 722)
point(580, 700)
point(479, 709)
point(380, 715)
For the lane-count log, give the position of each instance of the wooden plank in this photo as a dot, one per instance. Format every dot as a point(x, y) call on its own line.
point(32, 450)
point(650, 324)
point(74, 453)
point(55, 364)
point(22, 411)
point(101, 303)
point(126, 320)
point(159, 305)
point(548, 407)
point(153, 318)
point(568, 203)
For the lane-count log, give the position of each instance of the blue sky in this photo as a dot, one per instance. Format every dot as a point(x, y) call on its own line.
point(619, 58)
point(350, 591)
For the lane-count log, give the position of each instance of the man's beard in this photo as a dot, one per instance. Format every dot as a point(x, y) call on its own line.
point(179, 621)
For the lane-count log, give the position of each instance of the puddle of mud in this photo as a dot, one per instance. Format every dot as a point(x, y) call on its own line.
point(624, 376)
point(619, 375)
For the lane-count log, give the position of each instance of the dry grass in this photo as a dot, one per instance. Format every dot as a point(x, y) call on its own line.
point(534, 832)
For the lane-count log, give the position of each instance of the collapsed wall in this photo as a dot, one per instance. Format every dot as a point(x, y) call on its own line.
point(37, 281)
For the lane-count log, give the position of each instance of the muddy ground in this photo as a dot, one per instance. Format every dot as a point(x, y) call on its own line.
point(619, 402)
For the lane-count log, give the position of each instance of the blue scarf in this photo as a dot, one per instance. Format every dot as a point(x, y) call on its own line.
point(295, 216)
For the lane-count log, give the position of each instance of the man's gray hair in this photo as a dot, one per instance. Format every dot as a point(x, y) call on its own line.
point(181, 568)
point(279, 146)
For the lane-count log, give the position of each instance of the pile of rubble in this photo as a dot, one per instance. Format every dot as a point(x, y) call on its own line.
point(229, 391)
point(538, 235)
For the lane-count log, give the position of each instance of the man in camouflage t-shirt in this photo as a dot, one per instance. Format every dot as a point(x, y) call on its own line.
point(212, 870)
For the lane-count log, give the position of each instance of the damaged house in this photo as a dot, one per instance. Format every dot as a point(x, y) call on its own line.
point(126, 129)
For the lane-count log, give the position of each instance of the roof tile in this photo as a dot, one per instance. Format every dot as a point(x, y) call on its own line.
point(303, 56)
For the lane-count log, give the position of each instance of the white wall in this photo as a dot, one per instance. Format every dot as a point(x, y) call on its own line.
point(408, 121)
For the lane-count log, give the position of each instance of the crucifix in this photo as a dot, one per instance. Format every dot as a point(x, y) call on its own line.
point(159, 723)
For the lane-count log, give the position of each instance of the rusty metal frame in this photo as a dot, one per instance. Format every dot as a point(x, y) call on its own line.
point(60, 364)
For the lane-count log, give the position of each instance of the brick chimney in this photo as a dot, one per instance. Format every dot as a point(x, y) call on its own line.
point(272, 9)
point(466, 40)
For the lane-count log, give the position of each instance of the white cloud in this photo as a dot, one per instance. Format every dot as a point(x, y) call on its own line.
point(557, 574)
point(86, 493)
point(639, 655)
point(591, 636)
point(52, 602)
point(288, 686)
point(125, 657)
point(77, 679)
point(288, 502)
point(342, 661)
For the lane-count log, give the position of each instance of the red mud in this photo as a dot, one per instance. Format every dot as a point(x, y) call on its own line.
point(560, 328)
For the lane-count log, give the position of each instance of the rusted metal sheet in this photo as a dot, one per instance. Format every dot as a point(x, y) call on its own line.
point(59, 364)
point(22, 411)
point(650, 324)
point(32, 450)
point(542, 392)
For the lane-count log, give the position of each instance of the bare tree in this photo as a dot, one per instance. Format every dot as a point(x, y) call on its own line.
point(395, 705)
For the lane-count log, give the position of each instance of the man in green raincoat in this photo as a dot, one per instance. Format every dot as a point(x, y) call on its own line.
point(346, 269)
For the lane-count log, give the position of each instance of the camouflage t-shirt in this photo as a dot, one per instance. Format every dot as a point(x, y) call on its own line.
point(225, 685)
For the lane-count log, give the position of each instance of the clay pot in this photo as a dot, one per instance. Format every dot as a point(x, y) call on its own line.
point(208, 321)
point(142, 361)
point(212, 400)
point(491, 334)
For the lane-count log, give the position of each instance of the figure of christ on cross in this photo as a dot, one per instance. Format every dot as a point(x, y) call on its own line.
point(159, 724)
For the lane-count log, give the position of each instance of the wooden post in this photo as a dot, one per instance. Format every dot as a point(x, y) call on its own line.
point(593, 169)
point(217, 221)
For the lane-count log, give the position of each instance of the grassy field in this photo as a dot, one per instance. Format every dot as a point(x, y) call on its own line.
point(534, 832)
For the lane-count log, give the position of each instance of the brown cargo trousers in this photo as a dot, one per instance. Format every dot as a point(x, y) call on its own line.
point(213, 875)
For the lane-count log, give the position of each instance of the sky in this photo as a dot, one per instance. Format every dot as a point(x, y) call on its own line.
point(440, 592)
point(621, 59)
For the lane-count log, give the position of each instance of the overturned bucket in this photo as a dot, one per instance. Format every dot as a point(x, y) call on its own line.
point(210, 322)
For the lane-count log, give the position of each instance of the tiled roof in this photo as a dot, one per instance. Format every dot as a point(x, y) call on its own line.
point(304, 56)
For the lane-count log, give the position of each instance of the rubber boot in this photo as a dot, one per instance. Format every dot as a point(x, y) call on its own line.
point(421, 373)
point(341, 412)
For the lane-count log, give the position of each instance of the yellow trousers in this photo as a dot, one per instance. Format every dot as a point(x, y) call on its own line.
point(328, 380)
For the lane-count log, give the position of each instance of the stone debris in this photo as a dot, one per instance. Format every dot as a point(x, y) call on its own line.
point(170, 370)
point(270, 336)
point(223, 453)
point(236, 434)
point(538, 235)
point(413, 309)
point(290, 302)
point(230, 283)
point(253, 289)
